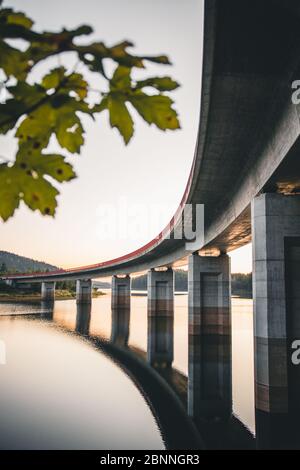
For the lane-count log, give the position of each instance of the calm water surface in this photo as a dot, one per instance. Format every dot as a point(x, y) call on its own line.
point(58, 391)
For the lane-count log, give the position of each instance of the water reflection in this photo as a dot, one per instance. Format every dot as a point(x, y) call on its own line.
point(58, 392)
point(120, 325)
point(83, 318)
point(122, 334)
point(47, 308)
point(209, 388)
point(160, 334)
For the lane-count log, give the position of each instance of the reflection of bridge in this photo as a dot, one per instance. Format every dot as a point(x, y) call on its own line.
point(246, 172)
point(178, 431)
point(164, 388)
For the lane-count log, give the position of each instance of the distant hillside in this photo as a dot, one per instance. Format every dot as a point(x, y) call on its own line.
point(9, 262)
point(101, 285)
point(241, 284)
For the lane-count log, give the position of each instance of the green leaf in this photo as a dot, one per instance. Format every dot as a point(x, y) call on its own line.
point(156, 109)
point(9, 114)
point(24, 97)
point(9, 16)
point(77, 85)
point(12, 61)
point(120, 55)
point(53, 107)
point(93, 55)
point(119, 116)
point(121, 78)
point(39, 194)
point(160, 83)
point(45, 44)
point(9, 193)
point(73, 82)
point(27, 94)
point(56, 116)
point(17, 184)
point(35, 130)
point(69, 133)
point(16, 25)
point(53, 165)
point(25, 181)
point(160, 59)
point(40, 49)
point(53, 78)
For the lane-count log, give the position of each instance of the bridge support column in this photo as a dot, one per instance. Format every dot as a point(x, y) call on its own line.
point(83, 318)
point(47, 309)
point(120, 292)
point(209, 305)
point(120, 326)
point(160, 317)
point(83, 291)
point(276, 289)
point(48, 291)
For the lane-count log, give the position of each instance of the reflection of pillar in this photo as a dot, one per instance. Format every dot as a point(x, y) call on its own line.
point(160, 317)
point(83, 318)
point(84, 291)
point(47, 308)
point(276, 289)
point(120, 326)
point(120, 292)
point(209, 380)
point(48, 291)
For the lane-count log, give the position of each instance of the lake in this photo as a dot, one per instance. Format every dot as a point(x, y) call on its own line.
point(66, 386)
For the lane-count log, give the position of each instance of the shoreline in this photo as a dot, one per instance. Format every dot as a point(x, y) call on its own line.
point(37, 297)
point(60, 296)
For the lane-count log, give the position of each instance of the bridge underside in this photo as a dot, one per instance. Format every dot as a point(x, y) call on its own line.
point(248, 139)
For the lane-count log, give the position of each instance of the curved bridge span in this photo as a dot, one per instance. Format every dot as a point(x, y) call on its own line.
point(246, 174)
point(248, 134)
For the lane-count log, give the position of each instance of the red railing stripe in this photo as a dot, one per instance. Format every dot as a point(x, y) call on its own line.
point(145, 248)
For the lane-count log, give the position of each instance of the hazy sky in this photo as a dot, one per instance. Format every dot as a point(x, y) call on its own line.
point(128, 183)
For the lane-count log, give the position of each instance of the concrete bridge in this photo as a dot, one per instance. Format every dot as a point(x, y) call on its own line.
point(246, 173)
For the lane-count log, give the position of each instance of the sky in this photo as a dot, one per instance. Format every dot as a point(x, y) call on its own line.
point(123, 196)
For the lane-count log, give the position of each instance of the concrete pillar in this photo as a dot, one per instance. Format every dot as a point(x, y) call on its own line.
point(83, 318)
point(47, 309)
point(120, 326)
point(120, 292)
point(83, 291)
point(209, 304)
point(276, 289)
point(48, 291)
point(160, 317)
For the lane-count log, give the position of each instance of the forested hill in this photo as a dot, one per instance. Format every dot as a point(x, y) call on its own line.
point(9, 262)
point(241, 284)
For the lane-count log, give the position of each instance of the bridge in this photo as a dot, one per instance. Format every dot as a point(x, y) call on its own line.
point(246, 174)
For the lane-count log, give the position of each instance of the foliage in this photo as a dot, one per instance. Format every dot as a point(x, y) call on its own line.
point(55, 105)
